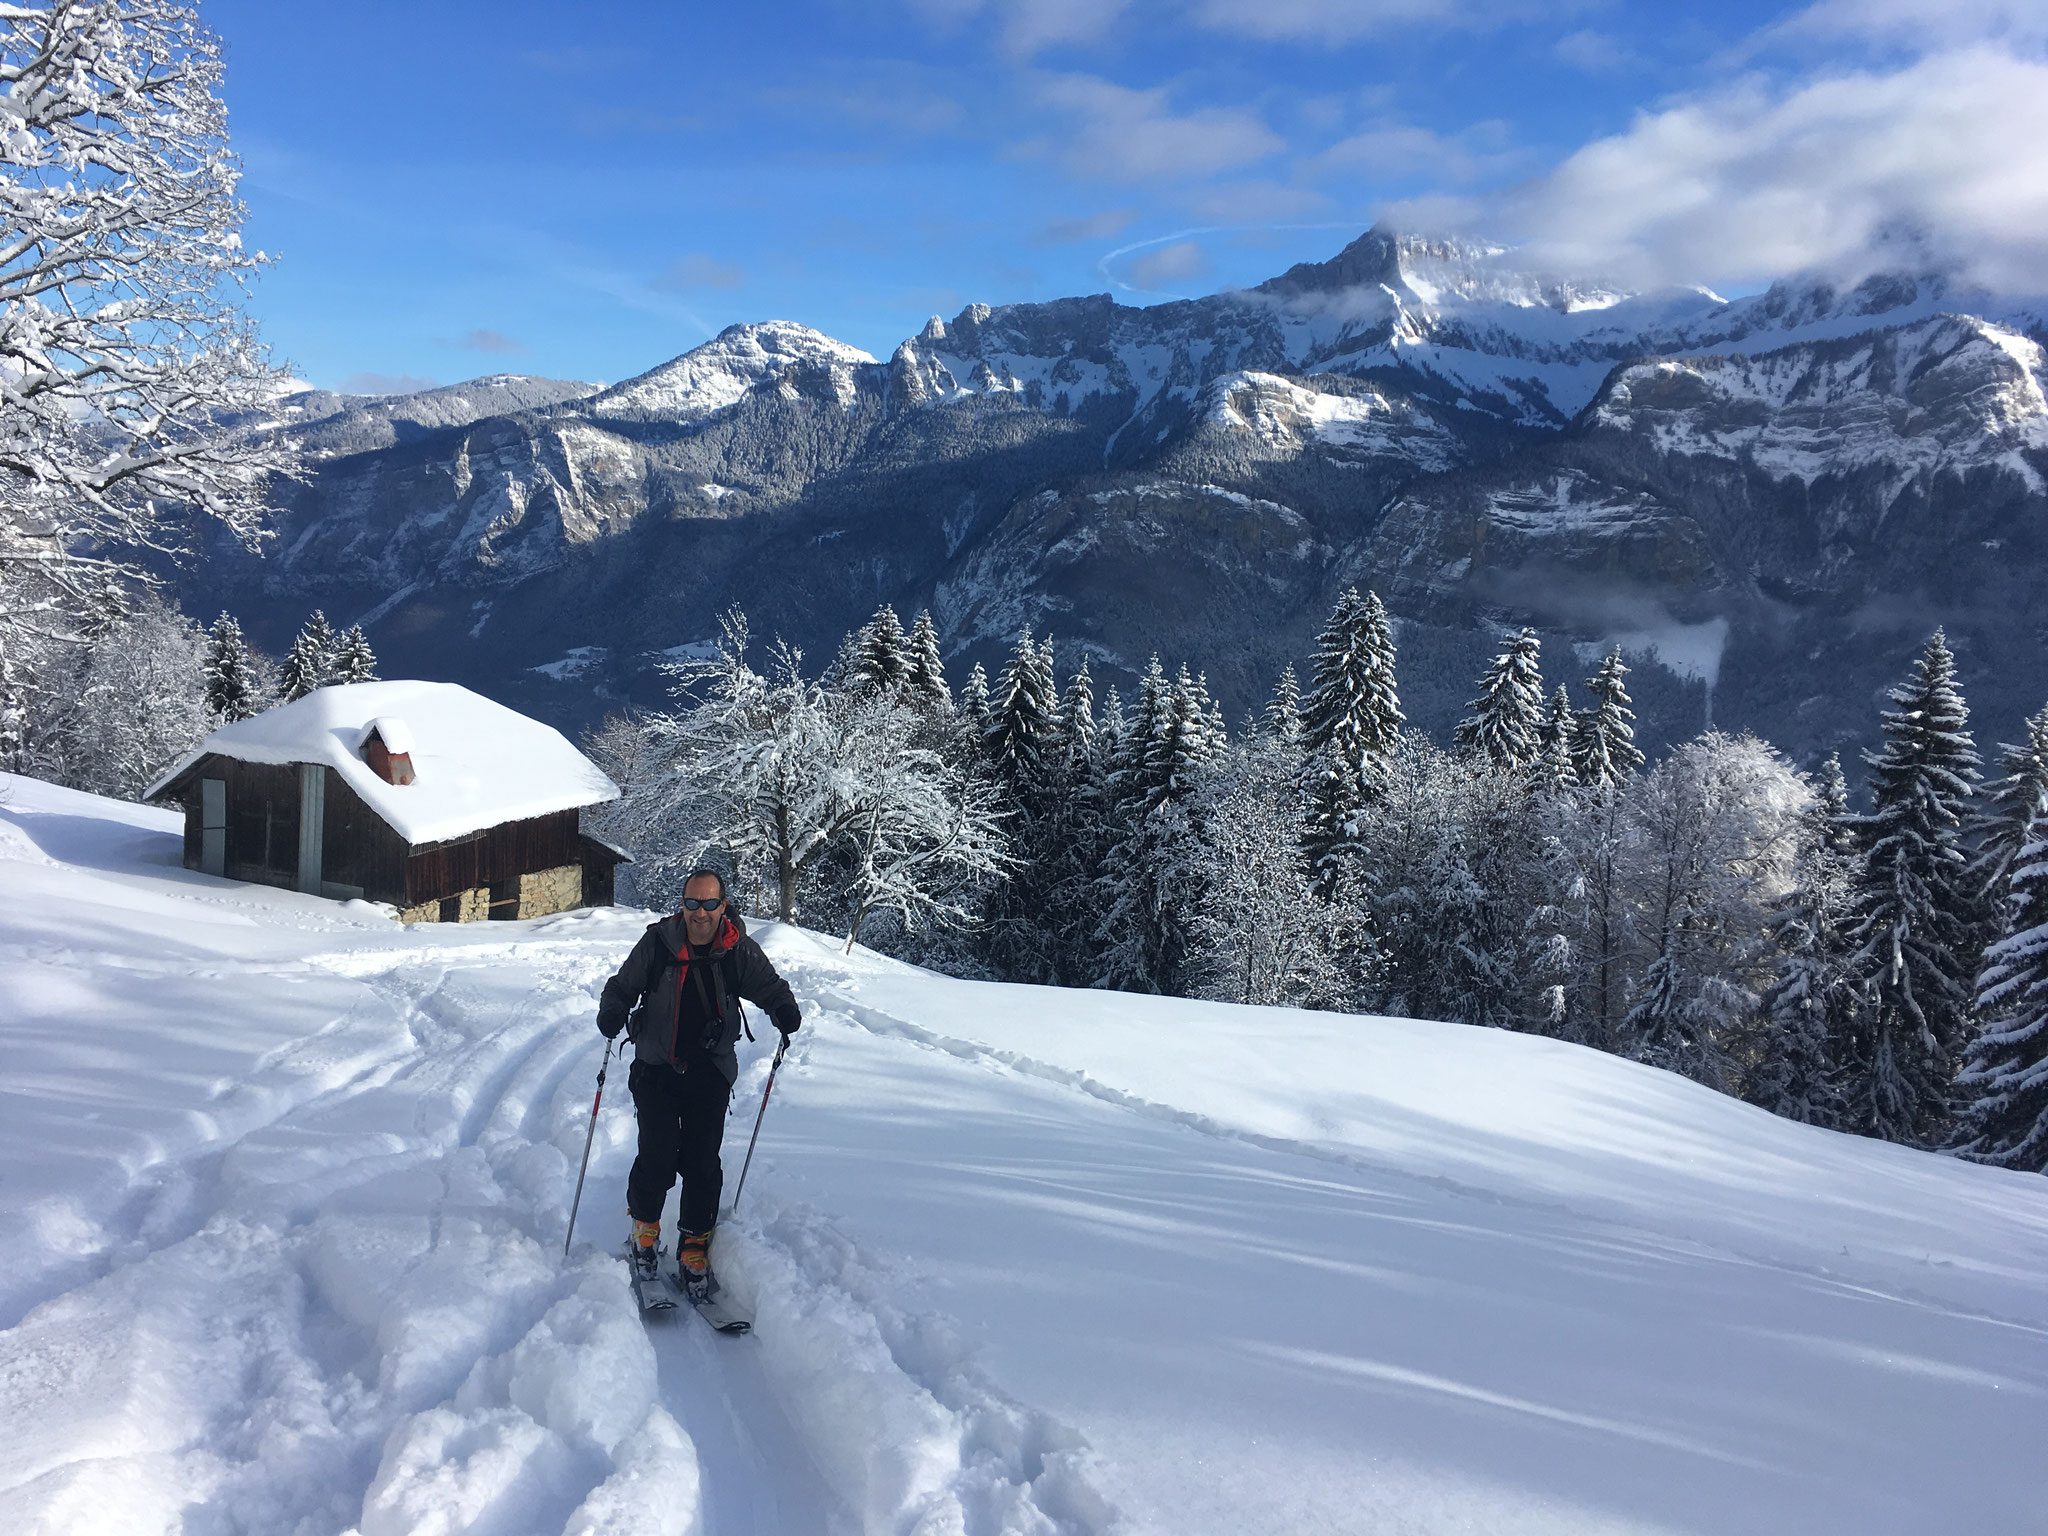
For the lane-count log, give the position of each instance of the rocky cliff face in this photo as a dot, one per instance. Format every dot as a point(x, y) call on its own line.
point(1769, 501)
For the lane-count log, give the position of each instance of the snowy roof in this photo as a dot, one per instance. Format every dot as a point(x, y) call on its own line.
point(478, 763)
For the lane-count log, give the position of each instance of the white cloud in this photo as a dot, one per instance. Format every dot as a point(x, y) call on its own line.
point(1402, 152)
point(483, 339)
point(1752, 181)
point(1121, 134)
point(1238, 202)
point(1026, 27)
point(1597, 53)
point(1179, 262)
point(1346, 21)
point(1919, 25)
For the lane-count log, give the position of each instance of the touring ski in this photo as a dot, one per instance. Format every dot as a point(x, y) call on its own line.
point(706, 1297)
point(655, 1298)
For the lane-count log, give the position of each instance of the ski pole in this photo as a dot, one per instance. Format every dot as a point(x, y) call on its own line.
point(589, 1137)
point(773, 1067)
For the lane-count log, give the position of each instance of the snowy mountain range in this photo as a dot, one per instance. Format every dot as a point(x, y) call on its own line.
point(1769, 501)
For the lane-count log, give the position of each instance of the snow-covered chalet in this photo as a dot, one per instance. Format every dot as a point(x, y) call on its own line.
point(446, 805)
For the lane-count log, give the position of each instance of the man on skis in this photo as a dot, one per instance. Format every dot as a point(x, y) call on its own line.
point(677, 996)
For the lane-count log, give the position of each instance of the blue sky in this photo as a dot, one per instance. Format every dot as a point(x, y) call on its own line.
point(587, 190)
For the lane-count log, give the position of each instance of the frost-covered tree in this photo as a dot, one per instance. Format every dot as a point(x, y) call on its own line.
point(1604, 747)
point(927, 669)
point(1713, 838)
point(128, 706)
point(1259, 934)
point(924, 834)
point(1910, 922)
point(793, 777)
point(1586, 926)
point(309, 664)
point(1507, 719)
point(230, 678)
point(1804, 1011)
point(1448, 903)
point(2003, 1084)
point(127, 369)
point(354, 661)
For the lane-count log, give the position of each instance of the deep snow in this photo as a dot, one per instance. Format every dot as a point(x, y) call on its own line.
point(283, 1188)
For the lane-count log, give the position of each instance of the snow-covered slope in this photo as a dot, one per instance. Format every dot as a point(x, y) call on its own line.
point(285, 1189)
point(1942, 395)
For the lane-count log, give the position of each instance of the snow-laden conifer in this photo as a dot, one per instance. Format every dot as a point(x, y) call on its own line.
point(926, 675)
point(1023, 727)
point(230, 679)
point(1604, 747)
point(310, 662)
point(1077, 717)
point(354, 661)
point(1507, 719)
point(974, 707)
point(1553, 773)
point(1350, 723)
point(884, 651)
point(2002, 1088)
point(2002, 820)
point(1283, 711)
point(1910, 922)
point(130, 372)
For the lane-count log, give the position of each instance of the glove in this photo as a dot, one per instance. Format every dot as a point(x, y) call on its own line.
point(788, 1018)
point(609, 1028)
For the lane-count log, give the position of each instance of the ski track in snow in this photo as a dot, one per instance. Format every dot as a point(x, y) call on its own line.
point(335, 1301)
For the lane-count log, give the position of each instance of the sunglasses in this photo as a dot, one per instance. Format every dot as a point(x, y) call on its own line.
point(702, 903)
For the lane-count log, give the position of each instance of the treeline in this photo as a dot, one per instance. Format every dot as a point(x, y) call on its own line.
point(1718, 913)
point(141, 685)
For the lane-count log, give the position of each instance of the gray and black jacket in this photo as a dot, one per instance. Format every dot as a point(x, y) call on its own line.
point(647, 994)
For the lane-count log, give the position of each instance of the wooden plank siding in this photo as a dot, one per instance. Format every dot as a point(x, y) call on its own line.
point(494, 858)
point(263, 820)
point(358, 846)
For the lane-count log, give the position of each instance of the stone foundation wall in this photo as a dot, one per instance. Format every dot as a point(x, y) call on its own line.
point(545, 891)
point(551, 890)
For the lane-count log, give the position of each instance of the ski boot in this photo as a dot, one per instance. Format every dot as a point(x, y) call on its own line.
point(693, 1263)
point(643, 1250)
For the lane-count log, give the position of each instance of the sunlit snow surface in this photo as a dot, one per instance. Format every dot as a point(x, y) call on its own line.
point(283, 1189)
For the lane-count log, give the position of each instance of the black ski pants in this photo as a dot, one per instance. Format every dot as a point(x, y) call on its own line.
point(682, 1122)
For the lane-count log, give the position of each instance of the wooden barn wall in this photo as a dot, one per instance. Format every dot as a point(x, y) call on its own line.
point(495, 857)
point(263, 820)
point(358, 846)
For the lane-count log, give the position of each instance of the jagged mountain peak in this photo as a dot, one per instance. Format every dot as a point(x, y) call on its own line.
point(1436, 270)
point(710, 377)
